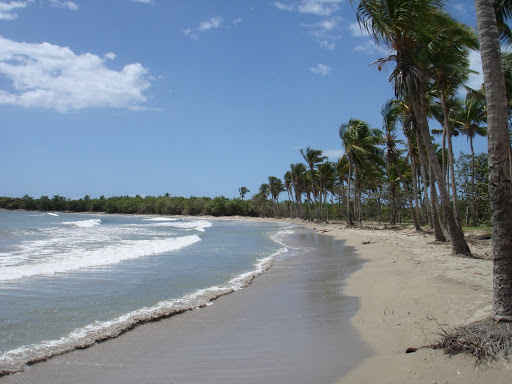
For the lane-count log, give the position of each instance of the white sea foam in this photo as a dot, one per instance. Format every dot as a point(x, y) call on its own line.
point(83, 223)
point(160, 219)
point(77, 259)
point(52, 214)
point(16, 360)
point(198, 225)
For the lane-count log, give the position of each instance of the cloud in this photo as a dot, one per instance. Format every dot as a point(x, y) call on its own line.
point(320, 69)
point(144, 1)
point(313, 7)
point(475, 63)
point(54, 77)
point(368, 46)
point(325, 31)
point(204, 26)
point(329, 45)
point(356, 30)
point(64, 4)
point(8, 10)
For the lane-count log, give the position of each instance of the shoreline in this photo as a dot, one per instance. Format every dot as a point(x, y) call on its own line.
point(288, 326)
point(411, 288)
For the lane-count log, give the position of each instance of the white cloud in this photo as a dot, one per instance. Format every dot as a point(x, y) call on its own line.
point(368, 46)
point(204, 26)
point(475, 63)
point(356, 30)
point(8, 10)
point(64, 4)
point(313, 7)
point(329, 45)
point(54, 77)
point(320, 69)
point(325, 31)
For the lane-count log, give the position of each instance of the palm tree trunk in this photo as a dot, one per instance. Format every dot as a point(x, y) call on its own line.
point(349, 218)
point(500, 190)
point(458, 242)
point(357, 213)
point(415, 190)
point(409, 198)
point(436, 223)
point(393, 202)
point(423, 165)
point(451, 167)
point(473, 213)
point(440, 231)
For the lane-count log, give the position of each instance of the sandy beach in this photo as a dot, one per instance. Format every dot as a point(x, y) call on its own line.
point(306, 321)
point(409, 288)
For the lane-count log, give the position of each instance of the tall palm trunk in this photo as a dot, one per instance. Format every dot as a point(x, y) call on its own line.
point(349, 217)
point(313, 189)
point(451, 166)
point(500, 190)
point(473, 212)
point(434, 214)
point(409, 198)
point(439, 229)
point(393, 202)
point(423, 165)
point(458, 242)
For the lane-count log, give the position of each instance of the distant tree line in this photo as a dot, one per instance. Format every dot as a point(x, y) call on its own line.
point(161, 205)
point(378, 199)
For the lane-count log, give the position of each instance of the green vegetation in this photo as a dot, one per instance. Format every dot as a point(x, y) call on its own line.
point(161, 205)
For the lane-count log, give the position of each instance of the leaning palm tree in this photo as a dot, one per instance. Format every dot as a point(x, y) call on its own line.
point(410, 30)
point(313, 157)
point(500, 190)
point(361, 148)
point(470, 115)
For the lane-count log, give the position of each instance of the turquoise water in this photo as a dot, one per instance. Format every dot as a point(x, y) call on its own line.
point(69, 280)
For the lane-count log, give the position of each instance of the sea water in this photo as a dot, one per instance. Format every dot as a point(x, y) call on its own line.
point(68, 280)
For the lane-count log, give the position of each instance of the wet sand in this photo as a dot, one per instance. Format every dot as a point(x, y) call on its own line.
point(292, 325)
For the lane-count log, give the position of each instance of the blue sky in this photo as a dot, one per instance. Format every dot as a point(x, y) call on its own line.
point(190, 97)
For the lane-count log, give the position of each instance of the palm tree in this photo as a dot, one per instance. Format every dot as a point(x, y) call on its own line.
point(275, 187)
point(298, 172)
point(411, 29)
point(390, 113)
point(448, 131)
point(360, 143)
point(500, 190)
point(326, 178)
point(469, 115)
point(313, 157)
point(450, 70)
point(243, 191)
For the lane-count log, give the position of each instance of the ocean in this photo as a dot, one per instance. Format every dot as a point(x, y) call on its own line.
point(68, 280)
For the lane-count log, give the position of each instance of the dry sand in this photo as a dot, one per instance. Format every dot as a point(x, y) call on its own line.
point(409, 288)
